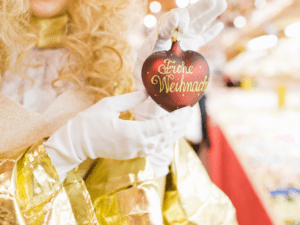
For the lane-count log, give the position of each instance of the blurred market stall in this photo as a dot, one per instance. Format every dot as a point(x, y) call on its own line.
point(254, 130)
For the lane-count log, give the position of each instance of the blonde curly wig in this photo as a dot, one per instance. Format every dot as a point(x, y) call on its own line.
point(98, 54)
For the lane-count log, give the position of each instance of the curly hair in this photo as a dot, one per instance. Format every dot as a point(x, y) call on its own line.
point(98, 53)
point(14, 29)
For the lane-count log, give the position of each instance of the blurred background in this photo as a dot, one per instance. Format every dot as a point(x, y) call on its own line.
point(251, 113)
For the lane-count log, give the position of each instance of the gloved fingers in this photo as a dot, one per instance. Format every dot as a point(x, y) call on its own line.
point(211, 33)
point(148, 110)
point(220, 7)
point(177, 118)
point(157, 143)
point(124, 102)
point(134, 139)
point(166, 123)
point(153, 144)
point(175, 19)
point(164, 157)
point(168, 22)
point(173, 136)
point(162, 45)
point(201, 7)
point(133, 134)
point(184, 20)
point(204, 21)
point(165, 139)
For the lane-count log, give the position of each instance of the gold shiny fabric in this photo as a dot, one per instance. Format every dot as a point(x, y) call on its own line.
point(124, 192)
point(191, 197)
point(51, 31)
point(79, 198)
point(31, 193)
point(8, 208)
point(116, 192)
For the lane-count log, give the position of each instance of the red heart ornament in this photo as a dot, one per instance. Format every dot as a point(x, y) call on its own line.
point(175, 78)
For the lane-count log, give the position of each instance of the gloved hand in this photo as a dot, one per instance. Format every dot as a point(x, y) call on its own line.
point(98, 132)
point(191, 22)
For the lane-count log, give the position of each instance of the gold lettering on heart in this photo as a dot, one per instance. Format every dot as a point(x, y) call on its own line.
point(166, 84)
point(168, 68)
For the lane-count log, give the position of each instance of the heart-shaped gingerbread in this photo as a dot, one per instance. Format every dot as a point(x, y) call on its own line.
point(175, 78)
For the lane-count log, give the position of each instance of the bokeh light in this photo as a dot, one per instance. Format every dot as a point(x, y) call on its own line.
point(262, 42)
point(150, 21)
point(292, 30)
point(239, 22)
point(260, 4)
point(155, 7)
point(182, 3)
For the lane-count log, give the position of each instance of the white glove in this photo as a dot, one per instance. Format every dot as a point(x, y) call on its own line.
point(98, 132)
point(192, 23)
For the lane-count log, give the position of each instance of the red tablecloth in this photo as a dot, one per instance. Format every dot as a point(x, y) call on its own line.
point(228, 174)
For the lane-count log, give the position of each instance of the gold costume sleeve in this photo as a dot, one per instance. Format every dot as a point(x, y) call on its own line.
point(190, 196)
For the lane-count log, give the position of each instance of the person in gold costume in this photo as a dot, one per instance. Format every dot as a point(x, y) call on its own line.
point(77, 145)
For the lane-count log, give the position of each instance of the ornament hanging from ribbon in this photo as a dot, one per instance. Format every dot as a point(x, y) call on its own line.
point(175, 78)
